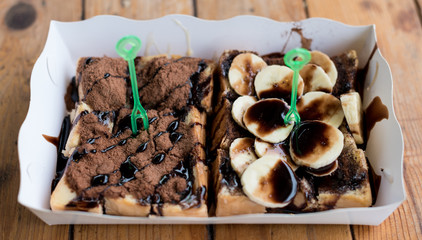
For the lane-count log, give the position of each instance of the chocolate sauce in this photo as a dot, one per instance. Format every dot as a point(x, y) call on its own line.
point(92, 140)
point(72, 95)
point(197, 88)
point(98, 180)
point(81, 204)
point(267, 114)
point(88, 61)
point(175, 137)
point(104, 117)
point(229, 176)
point(283, 182)
point(128, 170)
point(158, 158)
point(375, 112)
point(61, 159)
point(52, 140)
point(308, 136)
point(173, 126)
point(276, 58)
point(318, 109)
point(323, 170)
point(108, 148)
point(305, 42)
point(225, 65)
point(277, 92)
point(76, 155)
point(282, 90)
point(142, 147)
point(150, 121)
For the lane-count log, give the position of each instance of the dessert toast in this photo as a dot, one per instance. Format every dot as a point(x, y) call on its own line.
point(156, 172)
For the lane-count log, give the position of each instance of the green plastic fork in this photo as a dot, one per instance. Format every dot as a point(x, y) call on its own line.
point(129, 54)
point(295, 59)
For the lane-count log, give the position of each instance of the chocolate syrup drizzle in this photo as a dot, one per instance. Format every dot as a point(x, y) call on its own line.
point(127, 169)
point(61, 159)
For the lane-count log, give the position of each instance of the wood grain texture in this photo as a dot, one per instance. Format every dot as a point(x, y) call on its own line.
point(399, 35)
point(130, 232)
point(275, 9)
point(138, 9)
point(21, 42)
point(281, 232)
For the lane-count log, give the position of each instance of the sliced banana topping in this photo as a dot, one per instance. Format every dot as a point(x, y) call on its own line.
point(321, 106)
point(315, 79)
point(239, 107)
point(270, 181)
point(276, 81)
point(265, 119)
point(322, 60)
point(315, 145)
point(242, 72)
point(263, 148)
point(242, 154)
point(352, 108)
point(323, 171)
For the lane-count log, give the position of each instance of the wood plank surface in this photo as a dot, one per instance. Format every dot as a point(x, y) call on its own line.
point(23, 31)
point(280, 10)
point(138, 9)
point(399, 33)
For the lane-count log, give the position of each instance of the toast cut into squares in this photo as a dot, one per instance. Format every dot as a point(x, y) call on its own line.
point(161, 171)
point(313, 193)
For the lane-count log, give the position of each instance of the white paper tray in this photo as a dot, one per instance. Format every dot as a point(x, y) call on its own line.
point(97, 37)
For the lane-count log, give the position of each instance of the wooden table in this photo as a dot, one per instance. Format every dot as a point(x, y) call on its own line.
point(23, 31)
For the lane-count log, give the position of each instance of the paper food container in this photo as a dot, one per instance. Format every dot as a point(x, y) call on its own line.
point(176, 34)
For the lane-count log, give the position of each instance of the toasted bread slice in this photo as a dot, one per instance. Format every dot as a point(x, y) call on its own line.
point(349, 186)
point(314, 193)
point(347, 68)
point(124, 180)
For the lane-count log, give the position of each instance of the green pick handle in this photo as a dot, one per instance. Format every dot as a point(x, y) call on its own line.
point(129, 54)
point(295, 59)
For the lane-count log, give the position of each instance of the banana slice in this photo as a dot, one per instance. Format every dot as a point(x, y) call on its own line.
point(239, 107)
point(352, 108)
point(242, 72)
point(270, 181)
point(275, 81)
point(322, 60)
point(321, 106)
point(315, 79)
point(316, 146)
point(265, 119)
point(242, 154)
point(263, 148)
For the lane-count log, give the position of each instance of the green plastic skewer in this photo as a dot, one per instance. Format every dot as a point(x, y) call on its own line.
point(295, 59)
point(129, 55)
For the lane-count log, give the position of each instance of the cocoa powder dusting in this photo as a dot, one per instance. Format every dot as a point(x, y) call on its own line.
point(152, 166)
point(109, 155)
point(169, 81)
